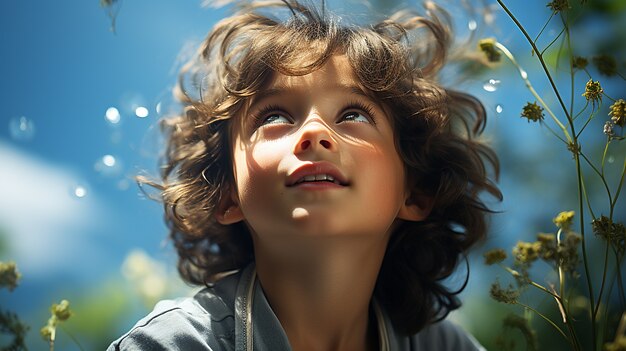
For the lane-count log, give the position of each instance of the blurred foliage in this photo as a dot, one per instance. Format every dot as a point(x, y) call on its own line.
point(10, 324)
point(580, 293)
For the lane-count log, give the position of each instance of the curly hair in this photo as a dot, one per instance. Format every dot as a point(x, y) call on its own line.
point(436, 133)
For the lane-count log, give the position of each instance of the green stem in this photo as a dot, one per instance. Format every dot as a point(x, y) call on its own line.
point(540, 57)
point(619, 186)
point(550, 322)
point(530, 87)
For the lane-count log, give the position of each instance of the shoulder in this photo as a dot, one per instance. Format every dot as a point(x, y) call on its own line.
point(444, 335)
point(203, 322)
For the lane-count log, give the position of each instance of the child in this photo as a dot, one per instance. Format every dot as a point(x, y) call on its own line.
point(322, 186)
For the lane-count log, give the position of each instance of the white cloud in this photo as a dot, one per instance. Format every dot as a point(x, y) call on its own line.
point(46, 223)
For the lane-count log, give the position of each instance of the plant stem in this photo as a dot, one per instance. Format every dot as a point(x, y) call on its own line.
point(530, 87)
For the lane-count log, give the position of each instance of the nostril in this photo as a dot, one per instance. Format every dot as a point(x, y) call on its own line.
point(305, 144)
point(325, 143)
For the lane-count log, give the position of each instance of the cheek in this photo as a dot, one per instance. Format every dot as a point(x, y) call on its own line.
point(256, 167)
point(385, 179)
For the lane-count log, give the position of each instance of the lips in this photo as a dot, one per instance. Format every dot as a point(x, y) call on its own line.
point(316, 172)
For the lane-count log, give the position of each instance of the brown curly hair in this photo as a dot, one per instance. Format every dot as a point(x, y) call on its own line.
point(436, 132)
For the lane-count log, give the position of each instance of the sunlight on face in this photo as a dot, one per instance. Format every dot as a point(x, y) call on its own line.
point(315, 155)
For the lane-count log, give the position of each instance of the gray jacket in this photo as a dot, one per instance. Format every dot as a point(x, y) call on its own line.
point(217, 318)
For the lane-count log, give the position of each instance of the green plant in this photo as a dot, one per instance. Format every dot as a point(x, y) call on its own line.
point(9, 321)
point(566, 250)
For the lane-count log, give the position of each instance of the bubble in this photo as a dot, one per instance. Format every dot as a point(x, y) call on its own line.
point(499, 108)
point(610, 159)
point(471, 25)
point(491, 85)
point(108, 160)
point(78, 190)
point(22, 128)
point(108, 165)
point(112, 115)
point(141, 112)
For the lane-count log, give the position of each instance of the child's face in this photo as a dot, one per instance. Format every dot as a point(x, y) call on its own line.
point(317, 125)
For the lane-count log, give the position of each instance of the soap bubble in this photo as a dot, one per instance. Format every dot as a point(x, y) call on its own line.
point(21, 128)
point(141, 112)
point(112, 115)
point(471, 25)
point(108, 165)
point(491, 85)
point(78, 190)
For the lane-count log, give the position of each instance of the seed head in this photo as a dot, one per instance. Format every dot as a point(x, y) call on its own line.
point(606, 65)
point(608, 128)
point(558, 5)
point(547, 242)
point(579, 62)
point(533, 112)
point(9, 276)
point(505, 295)
point(593, 91)
point(618, 112)
point(614, 233)
point(494, 256)
point(488, 47)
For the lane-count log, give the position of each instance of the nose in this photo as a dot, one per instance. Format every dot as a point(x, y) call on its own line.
point(315, 135)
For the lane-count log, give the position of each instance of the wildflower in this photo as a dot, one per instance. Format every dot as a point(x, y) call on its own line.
point(494, 256)
point(608, 128)
point(525, 253)
point(508, 295)
point(564, 220)
point(593, 91)
point(533, 112)
point(579, 62)
point(488, 47)
point(618, 112)
point(48, 331)
point(61, 310)
point(547, 243)
point(606, 65)
point(573, 147)
point(9, 276)
point(558, 5)
point(614, 233)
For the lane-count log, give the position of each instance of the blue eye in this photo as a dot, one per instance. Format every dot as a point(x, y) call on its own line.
point(275, 119)
point(355, 117)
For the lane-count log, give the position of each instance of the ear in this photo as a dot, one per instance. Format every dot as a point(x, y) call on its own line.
point(416, 208)
point(228, 210)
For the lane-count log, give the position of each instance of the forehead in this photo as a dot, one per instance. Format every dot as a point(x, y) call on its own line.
point(334, 76)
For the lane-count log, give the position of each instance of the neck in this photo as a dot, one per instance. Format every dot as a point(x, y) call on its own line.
point(321, 289)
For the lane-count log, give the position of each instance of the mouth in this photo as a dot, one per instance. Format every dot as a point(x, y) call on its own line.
point(318, 173)
point(318, 178)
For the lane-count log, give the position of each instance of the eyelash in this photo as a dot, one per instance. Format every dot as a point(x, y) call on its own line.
point(259, 117)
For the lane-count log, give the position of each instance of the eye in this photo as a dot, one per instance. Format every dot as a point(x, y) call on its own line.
point(274, 118)
point(354, 116)
point(270, 115)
